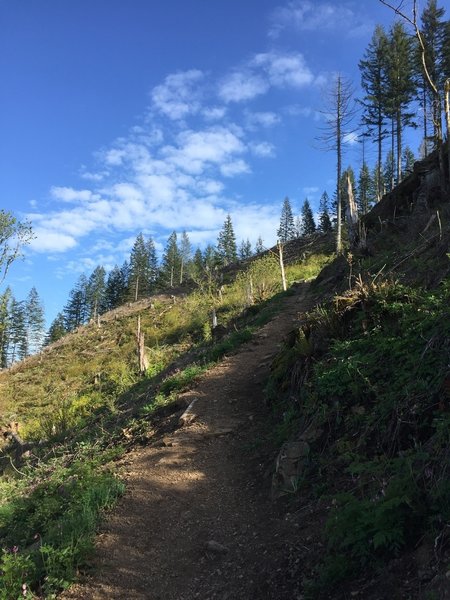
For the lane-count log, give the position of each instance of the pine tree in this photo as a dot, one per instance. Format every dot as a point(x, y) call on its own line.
point(364, 187)
point(308, 223)
point(389, 172)
point(171, 262)
point(18, 343)
point(286, 230)
point(325, 225)
point(5, 310)
point(76, 310)
point(116, 287)
point(185, 255)
point(433, 32)
point(259, 247)
point(226, 244)
point(35, 321)
point(401, 88)
point(374, 81)
point(376, 186)
point(56, 331)
point(408, 161)
point(141, 274)
point(96, 293)
point(245, 249)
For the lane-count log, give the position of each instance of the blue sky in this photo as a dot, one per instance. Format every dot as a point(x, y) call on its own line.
point(118, 117)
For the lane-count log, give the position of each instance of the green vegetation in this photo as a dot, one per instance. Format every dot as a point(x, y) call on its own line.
point(84, 396)
point(369, 374)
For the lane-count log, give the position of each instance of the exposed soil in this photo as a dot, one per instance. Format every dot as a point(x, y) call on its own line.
point(197, 520)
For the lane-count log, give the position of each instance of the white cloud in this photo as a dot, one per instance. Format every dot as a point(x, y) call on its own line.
point(47, 240)
point(263, 71)
point(242, 85)
point(262, 119)
point(179, 95)
point(196, 150)
point(310, 190)
point(67, 194)
point(214, 113)
point(263, 149)
point(285, 70)
point(305, 15)
point(237, 167)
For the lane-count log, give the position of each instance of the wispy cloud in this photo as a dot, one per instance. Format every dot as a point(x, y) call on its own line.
point(264, 71)
point(179, 95)
point(308, 16)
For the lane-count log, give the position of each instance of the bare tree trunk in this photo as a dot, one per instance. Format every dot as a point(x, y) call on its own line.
point(338, 169)
point(447, 120)
point(136, 292)
point(283, 275)
point(142, 355)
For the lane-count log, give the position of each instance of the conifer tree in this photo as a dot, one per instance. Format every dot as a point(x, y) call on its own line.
point(389, 172)
point(308, 223)
point(35, 321)
point(324, 225)
point(76, 310)
point(5, 310)
point(226, 244)
point(259, 247)
point(408, 161)
point(96, 293)
point(364, 187)
point(56, 331)
point(171, 262)
point(433, 30)
point(185, 255)
point(401, 88)
point(286, 230)
point(245, 249)
point(116, 287)
point(18, 343)
point(142, 268)
point(374, 81)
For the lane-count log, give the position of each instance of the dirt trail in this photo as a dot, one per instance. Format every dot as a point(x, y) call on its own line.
point(197, 519)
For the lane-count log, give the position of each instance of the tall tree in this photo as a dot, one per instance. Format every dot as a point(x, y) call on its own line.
point(401, 88)
point(433, 30)
point(96, 293)
point(324, 225)
point(185, 255)
point(116, 287)
point(226, 243)
point(18, 339)
point(56, 330)
point(5, 310)
point(142, 275)
point(35, 321)
point(245, 249)
point(286, 230)
point(308, 223)
point(259, 246)
point(339, 114)
point(374, 81)
point(408, 161)
point(364, 187)
point(76, 310)
point(171, 262)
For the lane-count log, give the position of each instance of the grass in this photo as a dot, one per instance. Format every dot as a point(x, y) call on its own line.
point(85, 397)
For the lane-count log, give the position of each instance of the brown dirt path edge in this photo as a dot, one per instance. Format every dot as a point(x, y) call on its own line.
point(205, 484)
